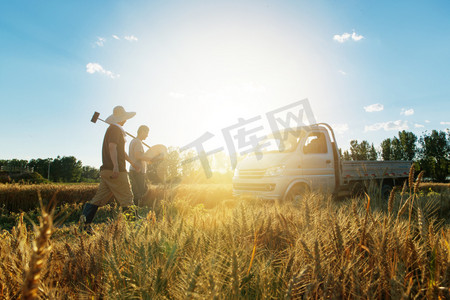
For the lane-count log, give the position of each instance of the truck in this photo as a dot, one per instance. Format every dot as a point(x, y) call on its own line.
point(298, 160)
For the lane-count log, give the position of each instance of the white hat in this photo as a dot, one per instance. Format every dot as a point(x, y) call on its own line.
point(119, 115)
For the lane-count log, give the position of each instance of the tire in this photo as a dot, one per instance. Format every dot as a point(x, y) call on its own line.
point(386, 191)
point(297, 192)
point(358, 190)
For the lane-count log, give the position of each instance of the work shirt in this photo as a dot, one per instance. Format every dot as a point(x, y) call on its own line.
point(137, 147)
point(114, 134)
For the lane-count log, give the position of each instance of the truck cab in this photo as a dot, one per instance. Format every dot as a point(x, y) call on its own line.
point(296, 160)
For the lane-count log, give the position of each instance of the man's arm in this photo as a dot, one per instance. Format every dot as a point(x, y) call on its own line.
point(135, 166)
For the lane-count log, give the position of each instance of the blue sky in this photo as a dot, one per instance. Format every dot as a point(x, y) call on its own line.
point(369, 68)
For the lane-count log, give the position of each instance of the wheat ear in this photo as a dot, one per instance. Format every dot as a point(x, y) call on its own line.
point(391, 200)
point(411, 176)
point(40, 249)
point(418, 181)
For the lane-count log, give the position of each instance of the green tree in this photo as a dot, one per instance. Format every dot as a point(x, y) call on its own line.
point(434, 155)
point(17, 165)
point(362, 151)
point(90, 174)
point(386, 149)
point(407, 144)
point(402, 147)
point(373, 155)
point(396, 150)
point(3, 164)
point(346, 155)
point(66, 169)
point(40, 166)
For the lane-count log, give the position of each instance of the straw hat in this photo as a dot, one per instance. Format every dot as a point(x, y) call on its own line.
point(119, 115)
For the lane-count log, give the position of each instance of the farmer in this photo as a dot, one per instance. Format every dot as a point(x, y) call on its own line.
point(113, 174)
point(137, 156)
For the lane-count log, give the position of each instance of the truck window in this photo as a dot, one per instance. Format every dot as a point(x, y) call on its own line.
point(315, 143)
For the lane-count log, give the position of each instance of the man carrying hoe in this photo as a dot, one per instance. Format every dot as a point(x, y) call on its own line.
point(114, 180)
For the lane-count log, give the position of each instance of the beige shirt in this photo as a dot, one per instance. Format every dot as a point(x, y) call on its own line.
point(134, 148)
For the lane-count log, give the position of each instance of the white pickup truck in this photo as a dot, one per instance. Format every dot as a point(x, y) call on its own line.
point(306, 159)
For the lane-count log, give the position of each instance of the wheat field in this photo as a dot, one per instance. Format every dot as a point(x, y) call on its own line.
point(197, 243)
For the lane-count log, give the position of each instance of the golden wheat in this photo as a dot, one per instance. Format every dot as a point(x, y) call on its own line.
point(193, 246)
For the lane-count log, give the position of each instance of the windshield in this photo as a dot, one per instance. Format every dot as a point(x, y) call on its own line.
point(280, 143)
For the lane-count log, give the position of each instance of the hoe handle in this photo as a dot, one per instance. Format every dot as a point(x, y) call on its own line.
point(96, 116)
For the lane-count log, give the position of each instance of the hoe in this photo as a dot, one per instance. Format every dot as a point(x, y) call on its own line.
point(96, 116)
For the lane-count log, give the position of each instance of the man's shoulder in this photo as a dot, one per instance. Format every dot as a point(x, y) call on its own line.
point(136, 141)
point(112, 129)
point(114, 133)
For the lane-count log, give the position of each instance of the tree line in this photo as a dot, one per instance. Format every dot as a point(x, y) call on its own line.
point(60, 169)
point(430, 152)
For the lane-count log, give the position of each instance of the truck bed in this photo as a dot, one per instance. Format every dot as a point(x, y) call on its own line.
point(372, 169)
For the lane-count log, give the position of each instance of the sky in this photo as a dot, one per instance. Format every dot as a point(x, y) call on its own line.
point(368, 68)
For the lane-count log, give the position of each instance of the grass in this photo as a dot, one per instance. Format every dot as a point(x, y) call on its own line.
point(201, 243)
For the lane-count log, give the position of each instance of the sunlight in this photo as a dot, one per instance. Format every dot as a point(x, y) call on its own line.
point(217, 71)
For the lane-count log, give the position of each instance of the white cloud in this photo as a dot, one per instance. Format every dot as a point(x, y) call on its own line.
point(115, 37)
point(176, 95)
point(342, 72)
point(131, 38)
point(346, 36)
point(419, 126)
point(388, 126)
point(374, 107)
point(427, 121)
point(356, 37)
point(445, 123)
point(92, 68)
point(407, 112)
point(100, 41)
point(341, 38)
point(340, 128)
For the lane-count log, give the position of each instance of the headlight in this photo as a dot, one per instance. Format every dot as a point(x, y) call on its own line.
point(236, 172)
point(275, 171)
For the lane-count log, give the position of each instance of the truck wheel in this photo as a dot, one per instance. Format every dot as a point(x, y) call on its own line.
point(386, 191)
point(297, 192)
point(358, 190)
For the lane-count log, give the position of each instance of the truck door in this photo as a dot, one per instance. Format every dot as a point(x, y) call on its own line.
point(317, 162)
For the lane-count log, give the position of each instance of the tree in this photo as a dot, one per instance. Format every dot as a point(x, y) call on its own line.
point(386, 149)
point(90, 174)
point(346, 155)
point(435, 155)
point(40, 166)
point(407, 145)
point(17, 165)
point(373, 155)
point(66, 169)
point(402, 147)
point(362, 151)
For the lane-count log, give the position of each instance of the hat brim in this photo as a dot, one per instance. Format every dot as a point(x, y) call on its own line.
point(112, 119)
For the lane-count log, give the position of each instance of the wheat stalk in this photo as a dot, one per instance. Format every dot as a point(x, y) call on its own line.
point(419, 179)
point(403, 188)
point(422, 224)
point(403, 208)
point(391, 200)
point(411, 176)
point(40, 249)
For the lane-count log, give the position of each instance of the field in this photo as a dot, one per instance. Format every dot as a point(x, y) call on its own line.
point(197, 242)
